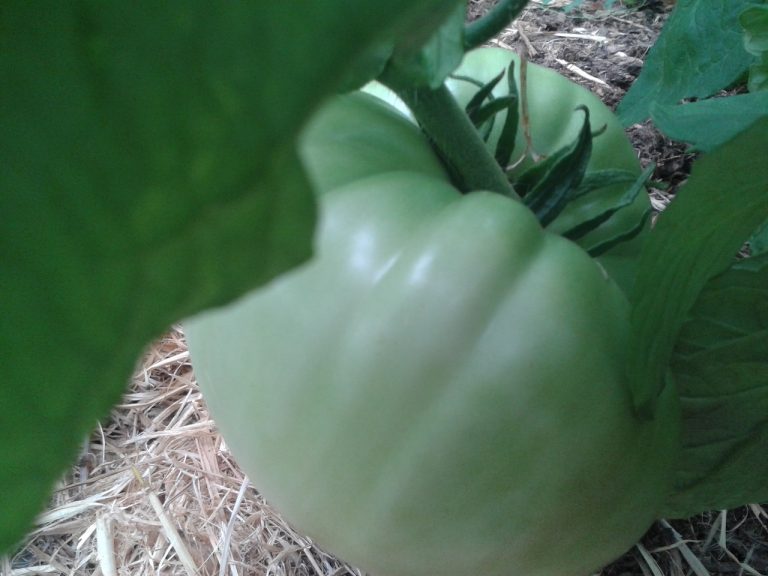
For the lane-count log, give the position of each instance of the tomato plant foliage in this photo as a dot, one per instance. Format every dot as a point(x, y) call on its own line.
point(139, 145)
point(482, 391)
point(699, 52)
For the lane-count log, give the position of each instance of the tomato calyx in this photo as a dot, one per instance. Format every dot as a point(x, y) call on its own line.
point(555, 180)
point(453, 137)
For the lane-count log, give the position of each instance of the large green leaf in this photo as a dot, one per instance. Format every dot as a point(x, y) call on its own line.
point(697, 237)
point(708, 124)
point(721, 368)
point(147, 170)
point(699, 52)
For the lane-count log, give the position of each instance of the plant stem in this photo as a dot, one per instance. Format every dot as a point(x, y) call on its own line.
point(482, 30)
point(455, 138)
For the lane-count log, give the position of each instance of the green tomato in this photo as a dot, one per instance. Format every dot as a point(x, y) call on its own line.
point(441, 390)
point(555, 123)
point(357, 135)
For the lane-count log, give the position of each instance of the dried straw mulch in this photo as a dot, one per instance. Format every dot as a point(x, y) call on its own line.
point(157, 492)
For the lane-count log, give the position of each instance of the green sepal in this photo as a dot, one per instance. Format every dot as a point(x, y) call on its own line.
point(547, 187)
point(625, 200)
point(485, 113)
point(602, 179)
point(484, 93)
point(508, 136)
point(606, 245)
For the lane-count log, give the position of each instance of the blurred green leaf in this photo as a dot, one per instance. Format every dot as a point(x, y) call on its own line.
point(147, 170)
point(755, 23)
point(436, 56)
point(698, 52)
point(695, 238)
point(720, 366)
point(368, 66)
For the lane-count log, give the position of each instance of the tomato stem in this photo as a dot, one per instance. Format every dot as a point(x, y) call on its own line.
point(455, 138)
point(483, 29)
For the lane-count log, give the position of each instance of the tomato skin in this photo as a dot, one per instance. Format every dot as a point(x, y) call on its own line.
point(357, 135)
point(440, 391)
point(555, 123)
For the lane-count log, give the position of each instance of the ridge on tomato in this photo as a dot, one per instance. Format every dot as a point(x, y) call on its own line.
point(441, 390)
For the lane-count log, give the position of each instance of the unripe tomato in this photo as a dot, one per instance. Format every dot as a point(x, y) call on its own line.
point(440, 391)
